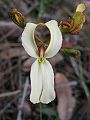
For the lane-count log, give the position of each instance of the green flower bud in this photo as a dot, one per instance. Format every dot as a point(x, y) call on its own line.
point(17, 18)
point(76, 23)
point(71, 52)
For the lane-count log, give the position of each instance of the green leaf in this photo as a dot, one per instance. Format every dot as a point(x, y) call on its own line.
point(71, 52)
point(44, 4)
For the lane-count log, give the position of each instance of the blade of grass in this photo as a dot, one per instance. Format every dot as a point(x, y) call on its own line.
point(79, 72)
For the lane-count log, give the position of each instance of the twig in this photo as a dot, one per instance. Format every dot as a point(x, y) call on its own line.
point(8, 105)
point(23, 99)
point(7, 71)
point(71, 84)
point(8, 94)
point(9, 29)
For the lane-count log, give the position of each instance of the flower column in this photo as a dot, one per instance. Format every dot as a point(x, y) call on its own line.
point(42, 75)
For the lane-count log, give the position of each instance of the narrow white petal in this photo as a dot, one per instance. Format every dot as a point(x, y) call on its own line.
point(28, 41)
point(56, 39)
point(36, 82)
point(48, 93)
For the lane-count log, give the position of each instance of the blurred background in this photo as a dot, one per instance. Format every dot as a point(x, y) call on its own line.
point(72, 76)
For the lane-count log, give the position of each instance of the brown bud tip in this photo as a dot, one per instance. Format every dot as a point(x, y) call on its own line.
point(17, 17)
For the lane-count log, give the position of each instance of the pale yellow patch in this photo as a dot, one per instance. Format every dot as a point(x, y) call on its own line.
point(81, 7)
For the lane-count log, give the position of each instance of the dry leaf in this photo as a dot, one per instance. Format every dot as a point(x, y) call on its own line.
point(13, 52)
point(67, 44)
point(26, 108)
point(66, 102)
point(10, 27)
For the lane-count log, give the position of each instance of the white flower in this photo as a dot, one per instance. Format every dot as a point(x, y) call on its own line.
point(42, 75)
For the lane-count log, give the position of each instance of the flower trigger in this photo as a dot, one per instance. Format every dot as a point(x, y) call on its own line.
point(41, 51)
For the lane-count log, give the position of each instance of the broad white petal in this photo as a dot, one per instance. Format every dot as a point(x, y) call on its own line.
point(56, 39)
point(36, 82)
point(28, 41)
point(48, 93)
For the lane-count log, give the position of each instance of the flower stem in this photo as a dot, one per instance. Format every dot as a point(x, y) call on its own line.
point(40, 111)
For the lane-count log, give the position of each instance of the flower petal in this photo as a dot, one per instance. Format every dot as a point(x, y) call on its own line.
point(56, 39)
point(36, 82)
point(28, 41)
point(48, 93)
point(80, 8)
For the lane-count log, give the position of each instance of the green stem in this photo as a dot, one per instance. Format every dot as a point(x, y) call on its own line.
point(41, 11)
point(40, 111)
point(86, 90)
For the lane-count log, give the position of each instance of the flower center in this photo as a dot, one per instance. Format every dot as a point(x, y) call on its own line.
point(42, 35)
point(41, 51)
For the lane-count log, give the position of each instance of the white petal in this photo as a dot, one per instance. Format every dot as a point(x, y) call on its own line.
point(56, 39)
point(36, 82)
point(48, 93)
point(28, 41)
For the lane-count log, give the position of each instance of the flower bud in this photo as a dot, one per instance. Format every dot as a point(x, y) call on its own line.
point(76, 23)
point(17, 18)
point(80, 8)
point(71, 52)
